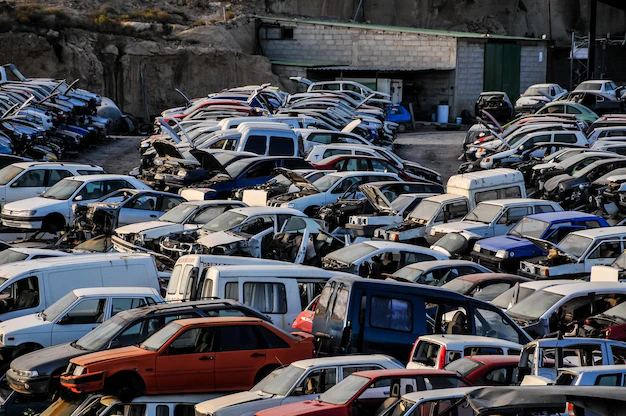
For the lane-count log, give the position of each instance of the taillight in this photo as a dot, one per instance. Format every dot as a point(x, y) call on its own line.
point(395, 237)
point(569, 409)
point(441, 362)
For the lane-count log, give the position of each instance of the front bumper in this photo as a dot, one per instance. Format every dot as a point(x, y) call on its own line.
point(28, 385)
point(29, 223)
point(85, 383)
point(494, 263)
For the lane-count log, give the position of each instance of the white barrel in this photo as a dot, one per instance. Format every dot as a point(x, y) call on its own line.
point(443, 113)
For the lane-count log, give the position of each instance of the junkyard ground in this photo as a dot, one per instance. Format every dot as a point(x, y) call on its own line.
point(436, 150)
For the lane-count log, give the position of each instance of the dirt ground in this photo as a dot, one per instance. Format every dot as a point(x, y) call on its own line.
point(118, 155)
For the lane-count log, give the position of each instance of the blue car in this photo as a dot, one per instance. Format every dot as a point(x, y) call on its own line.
point(400, 115)
point(504, 253)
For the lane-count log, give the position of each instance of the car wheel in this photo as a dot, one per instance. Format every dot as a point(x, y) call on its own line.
point(401, 128)
point(53, 223)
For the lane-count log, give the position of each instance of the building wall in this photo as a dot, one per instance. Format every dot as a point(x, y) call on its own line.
point(361, 47)
point(469, 75)
point(531, 70)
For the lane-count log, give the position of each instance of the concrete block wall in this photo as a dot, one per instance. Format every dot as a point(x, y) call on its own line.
point(531, 70)
point(469, 75)
point(362, 47)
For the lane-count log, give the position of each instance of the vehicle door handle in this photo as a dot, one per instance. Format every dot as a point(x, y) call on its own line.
point(206, 358)
point(257, 354)
point(152, 216)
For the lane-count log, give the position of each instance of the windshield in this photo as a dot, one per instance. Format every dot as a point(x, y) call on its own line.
point(324, 183)
point(484, 213)
point(409, 273)
point(63, 189)
point(236, 168)
point(159, 338)
point(401, 202)
point(11, 255)
point(401, 408)
point(100, 337)
point(532, 91)
point(589, 86)
point(57, 308)
point(534, 306)
point(178, 214)
point(575, 245)
point(459, 285)
point(350, 254)
point(453, 243)
point(425, 210)
point(529, 227)
point(280, 385)
point(505, 299)
point(8, 173)
point(341, 393)
point(225, 221)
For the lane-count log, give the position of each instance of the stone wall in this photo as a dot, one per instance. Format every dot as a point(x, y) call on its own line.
point(360, 47)
point(469, 75)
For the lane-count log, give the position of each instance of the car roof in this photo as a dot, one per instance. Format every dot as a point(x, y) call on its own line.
point(445, 197)
point(25, 165)
point(91, 178)
point(430, 395)
point(461, 340)
point(381, 244)
point(481, 277)
point(113, 291)
point(341, 157)
point(22, 266)
point(35, 251)
point(343, 360)
point(554, 342)
point(359, 172)
point(404, 373)
point(511, 201)
point(584, 287)
point(561, 215)
point(601, 232)
point(425, 265)
point(599, 369)
point(222, 320)
point(267, 211)
point(172, 307)
point(151, 191)
point(202, 202)
point(494, 359)
point(540, 284)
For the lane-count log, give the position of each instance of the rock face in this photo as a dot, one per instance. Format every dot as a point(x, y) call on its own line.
point(141, 75)
point(511, 17)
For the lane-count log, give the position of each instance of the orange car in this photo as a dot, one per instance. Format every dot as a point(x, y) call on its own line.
point(189, 356)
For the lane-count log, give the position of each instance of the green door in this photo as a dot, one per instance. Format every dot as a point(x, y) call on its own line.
point(502, 68)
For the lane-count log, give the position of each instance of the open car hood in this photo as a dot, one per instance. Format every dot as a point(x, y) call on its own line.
point(297, 180)
point(351, 126)
point(376, 198)
point(546, 246)
point(166, 149)
point(208, 161)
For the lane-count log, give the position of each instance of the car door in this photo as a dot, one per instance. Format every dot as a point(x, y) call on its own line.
point(140, 208)
point(188, 363)
point(604, 253)
point(314, 383)
point(81, 318)
point(256, 174)
point(508, 219)
point(239, 357)
point(29, 184)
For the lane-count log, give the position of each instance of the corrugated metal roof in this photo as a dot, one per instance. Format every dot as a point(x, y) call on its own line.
point(400, 29)
point(377, 68)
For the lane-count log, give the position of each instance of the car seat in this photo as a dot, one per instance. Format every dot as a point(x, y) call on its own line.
point(205, 343)
point(458, 323)
point(393, 398)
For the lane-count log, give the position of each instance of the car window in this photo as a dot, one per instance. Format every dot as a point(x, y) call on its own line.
point(30, 179)
point(238, 338)
point(500, 376)
point(92, 190)
point(379, 166)
point(543, 208)
point(87, 311)
point(483, 351)
point(297, 163)
point(614, 380)
point(392, 314)
point(168, 203)
point(333, 152)
point(261, 169)
point(123, 304)
point(318, 381)
point(281, 146)
point(491, 324)
point(265, 297)
point(144, 203)
point(514, 214)
point(90, 172)
point(179, 410)
point(55, 175)
point(322, 138)
point(346, 371)
point(208, 214)
point(573, 110)
point(607, 249)
point(619, 354)
point(270, 339)
point(565, 138)
point(114, 185)
point(488, 293)
point(193, 341)
point(345, 184)
point(256, 144)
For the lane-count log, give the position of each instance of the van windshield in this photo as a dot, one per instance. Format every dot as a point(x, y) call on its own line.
point(57, 308)
point(535, 305)
point(484, 213)
point(342, 393)
point(424, 211)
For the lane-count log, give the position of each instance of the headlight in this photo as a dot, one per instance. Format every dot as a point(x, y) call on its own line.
point(502, 254)
point(290, 205)
point(157, 161)
point(78, 370)
point(182, 172)
point(28, 373)
point(26, 213)
point(476, 248)
point(561, 187)
point(139, 238)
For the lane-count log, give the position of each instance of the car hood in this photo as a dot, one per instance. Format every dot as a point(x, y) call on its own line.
point(297, 180)
point(208, 161)
point(125, 353)
point(142, 227)
point(547, 165)
point(219, 238)
point(376, 198)
point(104, 205)
point(552, 183)
point(54, 357)
point(504, 242)
point(308, 407)
point(24, 325)
point(33, 203)
point(213, 405)
point(461, 226)
point(546, 246)
point(166, 149)
point(532, 100)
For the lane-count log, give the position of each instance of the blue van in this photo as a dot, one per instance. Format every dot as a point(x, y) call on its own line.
point(357, 315)
point(504, 253)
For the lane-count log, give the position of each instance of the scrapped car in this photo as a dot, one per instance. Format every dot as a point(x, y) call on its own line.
point(189, 355)
point(517, 293)
point(71, 317)
point(368, 392)
point(536, 96)
point(13, 254)
point(505, 252)
point(52, 211)
point(574, 256)
point(605, 86)
point(564, 107)
point(155, 405)
point(360, 163)
point(430, 402)
point(184, 217)
point(258, 195)
point(437, 272)
point(298, 382)
point(438, 350)
point(326, 190)
point(598, 102)
point(486, 370)
point(484, 286)
point(609, 324)
point(598, 375)
point(496, 103)
point(38, 372)
point(123, 207)
point(562, 307)
point(376, 258)
point(234, 231)
point(493, 218)
point(304, 320)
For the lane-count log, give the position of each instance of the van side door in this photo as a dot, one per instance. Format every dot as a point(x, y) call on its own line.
point(279, 299)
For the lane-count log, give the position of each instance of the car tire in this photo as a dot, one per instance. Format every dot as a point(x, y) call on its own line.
point(312, 211)
point(126, 386)
point(402, 128)
point(53, 223)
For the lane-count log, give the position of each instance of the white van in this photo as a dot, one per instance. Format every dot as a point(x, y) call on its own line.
point(463, 193)
point(31, 286)
point(281, 293)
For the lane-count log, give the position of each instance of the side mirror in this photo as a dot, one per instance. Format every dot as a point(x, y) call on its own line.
point(115, 344)
point(78, 198)
point(298, 391)
point(521, 148)
point(65, 320)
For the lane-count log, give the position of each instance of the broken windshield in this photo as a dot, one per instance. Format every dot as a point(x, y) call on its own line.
point(425, 211)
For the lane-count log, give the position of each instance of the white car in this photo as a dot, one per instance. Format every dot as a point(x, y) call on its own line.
point(536, 96)
point(187, 216)
point(326, 190)
point(52, 211)
point(13, 254)
point(29, 179)
point(71, 317)
point(604, 86)
point(300, 381)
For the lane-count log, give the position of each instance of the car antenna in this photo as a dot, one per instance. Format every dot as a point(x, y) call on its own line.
point(278, 359)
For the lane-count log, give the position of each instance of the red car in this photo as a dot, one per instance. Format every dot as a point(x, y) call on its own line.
point(486, 370)
point(351, 163)
point(368, 393)
point(304, 321)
